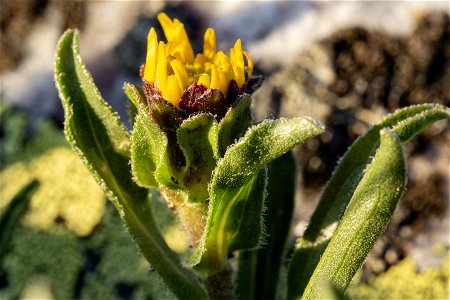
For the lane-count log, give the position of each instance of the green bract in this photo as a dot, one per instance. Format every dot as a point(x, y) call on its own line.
point(231, 183)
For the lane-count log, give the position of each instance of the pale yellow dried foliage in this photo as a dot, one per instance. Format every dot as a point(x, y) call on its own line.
point(176, 238)
point(403, 281)
point(67, 192)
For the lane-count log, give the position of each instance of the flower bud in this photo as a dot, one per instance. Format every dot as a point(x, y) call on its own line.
point(179, 83)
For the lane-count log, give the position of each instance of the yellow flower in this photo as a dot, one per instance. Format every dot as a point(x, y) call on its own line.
point(172, 67)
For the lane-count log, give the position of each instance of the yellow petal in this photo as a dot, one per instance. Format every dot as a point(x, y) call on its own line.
point(152, 37)
point(181, 39)
point(176, 34)
point(161, 69)
point(152, 56)
point(249, 63)
point(205, 80)
point(232, 61)
point(238, 70)
point(209, 43)
point(223, 61)
point(168, 49)
point(177, 50)
point(214, 70)
point(181, 74)
point(238, 55)
point(239, 76)
point(174, 92)
point(200, 59)
point(224, 81)
point(167, 25)
point(215, 77)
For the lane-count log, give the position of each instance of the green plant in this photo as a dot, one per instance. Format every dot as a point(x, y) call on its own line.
point(194, 141)
point(17, 144)
point(103, 265)
point(12, 214)
point(40, 234)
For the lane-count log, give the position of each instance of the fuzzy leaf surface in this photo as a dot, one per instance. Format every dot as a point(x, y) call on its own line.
point(236, 171)
point(197, 138)
point(407, 123)
point(240, 222)
point(259, 269)
point(148, 148)
point(368, 213)
point(135, 94)
point(95, 132)
point(235, 123)
point(261, 144)
point(137, 100)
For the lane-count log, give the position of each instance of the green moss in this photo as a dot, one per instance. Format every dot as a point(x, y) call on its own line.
point(22, 140)
point(34, 252)
point(105, 265)
point(402, 281)
point(12, 128)
point(69, 244)
point(120, 271)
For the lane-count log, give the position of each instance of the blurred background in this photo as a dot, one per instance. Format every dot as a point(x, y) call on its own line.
point(345, 63)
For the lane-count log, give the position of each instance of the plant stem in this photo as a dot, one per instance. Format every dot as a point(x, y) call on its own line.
point(191, 216)
point(219, 285)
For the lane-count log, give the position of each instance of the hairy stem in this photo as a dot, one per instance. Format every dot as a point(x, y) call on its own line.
point(191, 216)
point(219, 285)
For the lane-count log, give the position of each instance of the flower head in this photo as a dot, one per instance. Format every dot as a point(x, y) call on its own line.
point(172, 67)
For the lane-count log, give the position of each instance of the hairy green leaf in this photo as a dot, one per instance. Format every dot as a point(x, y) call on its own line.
point(235, 123)
point(136, 95)
point(407, 123)
point(261, 144)
point(259, 270)
point(244, 225)
point(235, 176)
point(12, 214)
point(91, 126)
point(132, 113)
point(94, 131)
point(368, 213)
point(148, 148)
point(197, 138)
point(236, 223)
point(137, 100)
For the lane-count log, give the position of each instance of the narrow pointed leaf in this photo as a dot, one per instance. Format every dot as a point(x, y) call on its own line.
point(91, 126)
point(237, 171)
point(96, 134)
point(132, 113)
point(12, 214)
point(407, 123)
point(259, 270)
point(235, 123)
point(368, 213)
point(148, 148)
point(136, 95)
point(244, 225)
point(237, 223)
point(197, 138)
point(137, 100)
point(262, 144)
